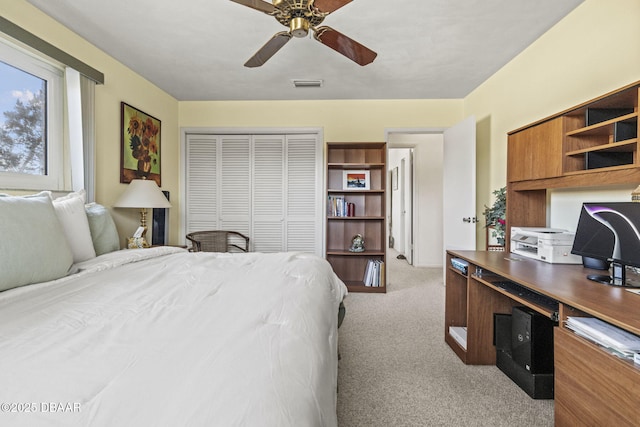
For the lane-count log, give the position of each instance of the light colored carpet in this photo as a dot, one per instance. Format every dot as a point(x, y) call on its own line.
point(396, 369)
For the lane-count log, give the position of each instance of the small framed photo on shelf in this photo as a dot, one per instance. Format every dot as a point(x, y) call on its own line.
point(356, 180)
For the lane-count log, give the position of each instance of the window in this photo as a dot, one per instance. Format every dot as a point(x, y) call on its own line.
point(31, 120)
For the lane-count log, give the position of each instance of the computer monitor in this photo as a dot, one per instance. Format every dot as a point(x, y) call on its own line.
point(609, 231)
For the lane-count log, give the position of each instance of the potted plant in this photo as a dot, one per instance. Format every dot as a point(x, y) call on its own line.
point(495, 215)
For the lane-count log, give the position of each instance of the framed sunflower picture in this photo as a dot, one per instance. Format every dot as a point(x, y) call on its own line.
point(140, 145)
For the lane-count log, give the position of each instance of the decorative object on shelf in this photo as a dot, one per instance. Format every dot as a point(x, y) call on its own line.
point(495, 216)
point(140, 145)
point(357, 244)
point(137, 243)
point(142, 194)
point(355, 180)
point(635, 195)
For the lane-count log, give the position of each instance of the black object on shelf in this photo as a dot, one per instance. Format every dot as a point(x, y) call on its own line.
point(598, 115)
point(625, 130)
point(596, 159)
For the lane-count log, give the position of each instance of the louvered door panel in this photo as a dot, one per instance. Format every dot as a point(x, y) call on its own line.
point(268, 193)
point(267, 237)
point(302, 193)
point(201, 174)
point(235, 200)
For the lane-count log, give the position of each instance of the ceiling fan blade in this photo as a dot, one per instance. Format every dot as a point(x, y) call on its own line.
point(268, 50)
point(260, 5)
point(350, 48)
point(328, 6)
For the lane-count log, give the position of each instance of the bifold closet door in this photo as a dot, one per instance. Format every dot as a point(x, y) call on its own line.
point(265, 186)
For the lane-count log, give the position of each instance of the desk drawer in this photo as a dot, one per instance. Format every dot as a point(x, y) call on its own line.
point(593, 387)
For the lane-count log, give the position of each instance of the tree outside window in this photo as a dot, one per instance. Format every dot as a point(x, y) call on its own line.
point(22, 122)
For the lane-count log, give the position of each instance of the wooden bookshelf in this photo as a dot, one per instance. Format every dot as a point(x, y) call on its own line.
point(369, 218)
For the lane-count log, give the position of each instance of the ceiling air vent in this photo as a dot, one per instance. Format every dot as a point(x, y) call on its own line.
point(307, 83)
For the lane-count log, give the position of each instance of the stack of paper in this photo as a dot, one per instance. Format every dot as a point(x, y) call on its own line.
point(618, 341)
point(459, 333)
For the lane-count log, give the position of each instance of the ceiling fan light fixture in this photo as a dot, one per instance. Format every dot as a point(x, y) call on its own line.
point(307, 83)
point(299, 27)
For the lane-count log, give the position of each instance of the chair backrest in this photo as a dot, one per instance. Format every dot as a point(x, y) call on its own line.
point(218, 241)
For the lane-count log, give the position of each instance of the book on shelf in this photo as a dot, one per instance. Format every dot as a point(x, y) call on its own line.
point(338, 206)
point(374, 273)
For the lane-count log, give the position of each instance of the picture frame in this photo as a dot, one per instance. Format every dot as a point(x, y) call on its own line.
point(139, 145)
point(356, 180)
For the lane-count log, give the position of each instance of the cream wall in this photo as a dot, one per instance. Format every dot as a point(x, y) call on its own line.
point(594, 50)
point(344, 121)
point(121, 84)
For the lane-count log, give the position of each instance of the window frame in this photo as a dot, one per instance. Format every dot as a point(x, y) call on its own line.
point(52, 73)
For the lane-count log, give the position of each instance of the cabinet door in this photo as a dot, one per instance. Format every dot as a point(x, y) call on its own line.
point(593, 387)
point(535, 152)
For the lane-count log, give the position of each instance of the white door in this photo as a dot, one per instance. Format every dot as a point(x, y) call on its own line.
point(459, 185)
point(407, 205)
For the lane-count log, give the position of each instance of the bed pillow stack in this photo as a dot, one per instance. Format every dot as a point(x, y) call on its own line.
point(42, 238)
point(34, 248)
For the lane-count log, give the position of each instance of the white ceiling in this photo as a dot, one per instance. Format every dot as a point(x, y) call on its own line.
point(195, 49)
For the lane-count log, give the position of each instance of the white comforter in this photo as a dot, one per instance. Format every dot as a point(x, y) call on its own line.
point(163, 337)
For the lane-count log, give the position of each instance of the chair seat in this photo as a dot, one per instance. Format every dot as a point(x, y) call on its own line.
point(218, 241)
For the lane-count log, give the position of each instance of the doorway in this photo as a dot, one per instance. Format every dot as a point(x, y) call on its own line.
point(401, 202)
point(415, 197)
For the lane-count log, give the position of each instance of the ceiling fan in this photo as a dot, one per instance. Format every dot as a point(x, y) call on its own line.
point(301, 16)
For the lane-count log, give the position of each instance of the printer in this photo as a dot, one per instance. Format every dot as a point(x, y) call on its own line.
point(552, 245)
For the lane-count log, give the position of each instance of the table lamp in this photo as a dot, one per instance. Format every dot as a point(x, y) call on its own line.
point(142, 194)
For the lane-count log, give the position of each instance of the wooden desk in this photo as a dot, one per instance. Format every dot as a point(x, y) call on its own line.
point(592, 387)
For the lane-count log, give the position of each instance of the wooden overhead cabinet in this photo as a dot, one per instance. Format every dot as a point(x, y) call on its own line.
point(536, 152)
point(592, 144)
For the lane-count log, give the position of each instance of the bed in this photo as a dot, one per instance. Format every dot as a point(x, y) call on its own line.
point(161, 336)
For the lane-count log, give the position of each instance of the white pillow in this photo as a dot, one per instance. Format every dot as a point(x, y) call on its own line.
point(73, 218)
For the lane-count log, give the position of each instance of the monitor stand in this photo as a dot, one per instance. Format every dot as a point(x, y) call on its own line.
point(619, 277)
point(600, 278)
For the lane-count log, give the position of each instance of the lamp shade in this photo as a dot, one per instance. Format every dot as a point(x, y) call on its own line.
point(142, 193)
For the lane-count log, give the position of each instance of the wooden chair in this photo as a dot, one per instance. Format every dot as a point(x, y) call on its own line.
point(218, 241)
